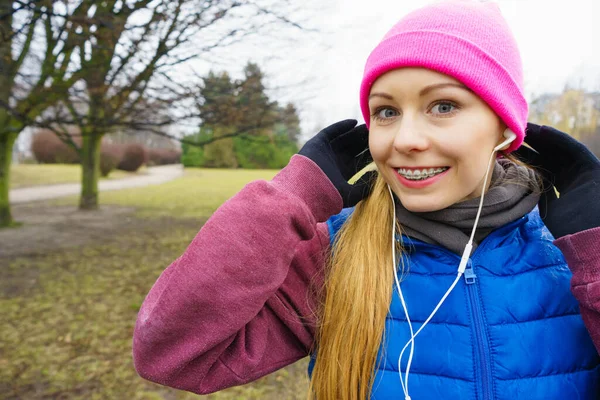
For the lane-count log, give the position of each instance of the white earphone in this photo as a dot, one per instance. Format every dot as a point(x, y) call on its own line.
point(510, 137)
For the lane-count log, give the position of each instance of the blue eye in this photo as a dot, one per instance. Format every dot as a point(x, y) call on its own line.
point(444, 107)
point(385, 113)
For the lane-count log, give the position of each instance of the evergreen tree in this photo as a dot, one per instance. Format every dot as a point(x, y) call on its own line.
point(288, 117)
point(218, 106)
point(256, 111)
point(219, 117)
point(256, 132)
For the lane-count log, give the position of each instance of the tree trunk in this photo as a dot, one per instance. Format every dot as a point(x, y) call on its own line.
point(7, 140)
point(90, 170)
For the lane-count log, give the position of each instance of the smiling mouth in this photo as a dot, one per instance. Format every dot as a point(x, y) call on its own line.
point(421, 174)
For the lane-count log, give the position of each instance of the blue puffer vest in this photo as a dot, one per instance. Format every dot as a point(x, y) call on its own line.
point(510, 329)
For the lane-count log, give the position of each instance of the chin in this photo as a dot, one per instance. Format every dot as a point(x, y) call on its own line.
point(420, 205)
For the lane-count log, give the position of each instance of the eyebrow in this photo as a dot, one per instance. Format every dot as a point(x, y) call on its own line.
point(423, 91)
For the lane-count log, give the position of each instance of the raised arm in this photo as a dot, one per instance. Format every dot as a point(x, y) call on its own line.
point(573, 217)
point(231, 308)
point(239, 304)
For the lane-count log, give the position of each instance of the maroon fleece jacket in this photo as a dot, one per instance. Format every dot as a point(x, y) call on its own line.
point(239, 303)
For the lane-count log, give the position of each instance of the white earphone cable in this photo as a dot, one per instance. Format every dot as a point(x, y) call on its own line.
point(395, 266)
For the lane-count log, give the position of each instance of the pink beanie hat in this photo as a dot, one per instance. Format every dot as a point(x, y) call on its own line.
point(469, 41)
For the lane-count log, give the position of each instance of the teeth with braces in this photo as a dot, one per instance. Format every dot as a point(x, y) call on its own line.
point(417, 174)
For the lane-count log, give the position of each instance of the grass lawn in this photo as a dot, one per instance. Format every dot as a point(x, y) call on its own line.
point(195, 195)
point(68, 315)
point(24, 175)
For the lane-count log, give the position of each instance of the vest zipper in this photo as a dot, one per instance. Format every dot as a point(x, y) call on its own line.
point(483, 354)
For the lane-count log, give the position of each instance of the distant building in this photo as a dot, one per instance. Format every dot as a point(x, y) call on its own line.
point(574, 111)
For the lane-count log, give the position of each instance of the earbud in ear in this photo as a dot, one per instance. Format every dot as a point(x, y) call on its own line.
point(510, 137)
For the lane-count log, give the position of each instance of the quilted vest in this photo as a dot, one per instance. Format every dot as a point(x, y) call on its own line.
point(510, 329)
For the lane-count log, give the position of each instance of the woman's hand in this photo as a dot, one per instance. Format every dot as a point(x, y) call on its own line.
point(341, 150)
point(575, 172)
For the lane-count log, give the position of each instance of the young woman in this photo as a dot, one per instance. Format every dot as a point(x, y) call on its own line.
point(434, 275)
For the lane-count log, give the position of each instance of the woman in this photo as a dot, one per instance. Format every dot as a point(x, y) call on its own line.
point(435, 268)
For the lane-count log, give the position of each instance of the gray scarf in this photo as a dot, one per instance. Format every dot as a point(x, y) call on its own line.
point(510, 197)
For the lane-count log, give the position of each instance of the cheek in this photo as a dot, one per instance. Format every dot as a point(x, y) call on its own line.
point(470, 149)
point(471, 172)
point(469, 163)
point(378, 147)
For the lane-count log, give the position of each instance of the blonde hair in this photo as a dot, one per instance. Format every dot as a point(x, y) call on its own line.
point(357, 295)
point(355, 299)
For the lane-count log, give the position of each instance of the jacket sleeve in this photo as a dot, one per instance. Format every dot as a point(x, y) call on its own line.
point(238, 304)
point(582, 252)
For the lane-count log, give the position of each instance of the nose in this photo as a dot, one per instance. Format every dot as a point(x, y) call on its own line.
point(409, 137)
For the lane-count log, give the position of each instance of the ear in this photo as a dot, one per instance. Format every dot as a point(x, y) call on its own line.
point(509, 137)
point(501, 136)
point(501, 127)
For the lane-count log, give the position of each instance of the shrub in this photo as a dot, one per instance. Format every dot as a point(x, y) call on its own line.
point(264, 152)
point(154, 157)
point(110, 157)
point(220, 154)
point(49, 149)
point(193, 156)
point(172, 156)
point(163, 156)
point(134, 156)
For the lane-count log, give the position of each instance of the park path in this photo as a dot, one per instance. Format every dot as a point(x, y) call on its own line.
point(154, 176)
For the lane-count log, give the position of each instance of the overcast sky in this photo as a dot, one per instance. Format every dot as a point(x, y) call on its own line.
point(319, 69)
point(559, 43)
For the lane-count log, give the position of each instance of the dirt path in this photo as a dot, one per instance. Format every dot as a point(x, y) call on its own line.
point(156, 175)
point(46, 228)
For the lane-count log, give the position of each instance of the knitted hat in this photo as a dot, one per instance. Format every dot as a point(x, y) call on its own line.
point(469, 41)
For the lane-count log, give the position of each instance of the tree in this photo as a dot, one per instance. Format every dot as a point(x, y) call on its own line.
point(28, 84)
point(220, 115)
point(104, 63)
point(573, 111)
point(127, 51)
point(118, 57)
point(241, 126)
point(152, 113)
point(288, 118)
point(256, 111)
point(217, 100)
point(220, 153)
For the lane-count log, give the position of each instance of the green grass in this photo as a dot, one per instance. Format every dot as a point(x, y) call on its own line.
point(25, 175)
point(68, 316)
point(197, 194)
